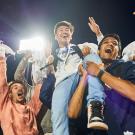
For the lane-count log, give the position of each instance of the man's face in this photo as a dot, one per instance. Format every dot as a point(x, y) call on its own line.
point(109, 49)
point(18, 93)
point(63, 35)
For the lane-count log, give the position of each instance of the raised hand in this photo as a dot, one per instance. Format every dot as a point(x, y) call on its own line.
point(4, 49)
point(94, 26)
point(50, 59)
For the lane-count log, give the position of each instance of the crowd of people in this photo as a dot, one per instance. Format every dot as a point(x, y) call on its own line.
point(83, 89)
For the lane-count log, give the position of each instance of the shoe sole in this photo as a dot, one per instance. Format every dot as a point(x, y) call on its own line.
point(98, 125)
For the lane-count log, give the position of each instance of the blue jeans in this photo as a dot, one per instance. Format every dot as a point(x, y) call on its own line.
point(95, 87)
point(60, 100)
point(63, 92)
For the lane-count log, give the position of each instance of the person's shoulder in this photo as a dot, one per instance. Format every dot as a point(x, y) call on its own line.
point(129, 63)
point(121, 61)
point(120, 66)
point(126, 64)
point(117, 62)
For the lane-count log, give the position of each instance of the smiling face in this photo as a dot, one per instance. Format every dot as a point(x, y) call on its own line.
point(109, 48)
point(63, 35)
point(18, 93)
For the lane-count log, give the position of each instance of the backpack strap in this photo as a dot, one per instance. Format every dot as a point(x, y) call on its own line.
point(77, 50)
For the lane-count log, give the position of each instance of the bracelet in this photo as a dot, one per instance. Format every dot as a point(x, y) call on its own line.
point(100, 74)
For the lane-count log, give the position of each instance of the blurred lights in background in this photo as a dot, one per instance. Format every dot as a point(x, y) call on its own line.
point(32, 44)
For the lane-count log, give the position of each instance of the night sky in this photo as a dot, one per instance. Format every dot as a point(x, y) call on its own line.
point(21, 19)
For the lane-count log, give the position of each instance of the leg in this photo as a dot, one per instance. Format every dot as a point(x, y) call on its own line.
point(95, 87)
point(95, 103)
point(61, 96)
point(95, 90)
point(95, 98)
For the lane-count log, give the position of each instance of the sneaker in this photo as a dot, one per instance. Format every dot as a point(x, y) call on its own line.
point(95, 116)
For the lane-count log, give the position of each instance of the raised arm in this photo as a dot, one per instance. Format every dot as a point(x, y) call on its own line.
point(35, 102)
point(95, 29)
point(44, 91)
point(3, 82)
point(20, 71)
point(3, 69)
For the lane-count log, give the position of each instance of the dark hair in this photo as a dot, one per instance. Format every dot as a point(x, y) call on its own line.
point(63, 23)
point(113, 36)
point(17, 81)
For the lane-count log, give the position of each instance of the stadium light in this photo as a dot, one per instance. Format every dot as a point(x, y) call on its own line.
point(33, 44)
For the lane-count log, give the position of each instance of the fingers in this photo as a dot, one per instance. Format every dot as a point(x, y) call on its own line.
point(89, 25)
point(50, 59)
point(86, 50)
point(91, 21)
point(81, 69)
point(101, 66)
point(93, 25)
point(89, 64)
